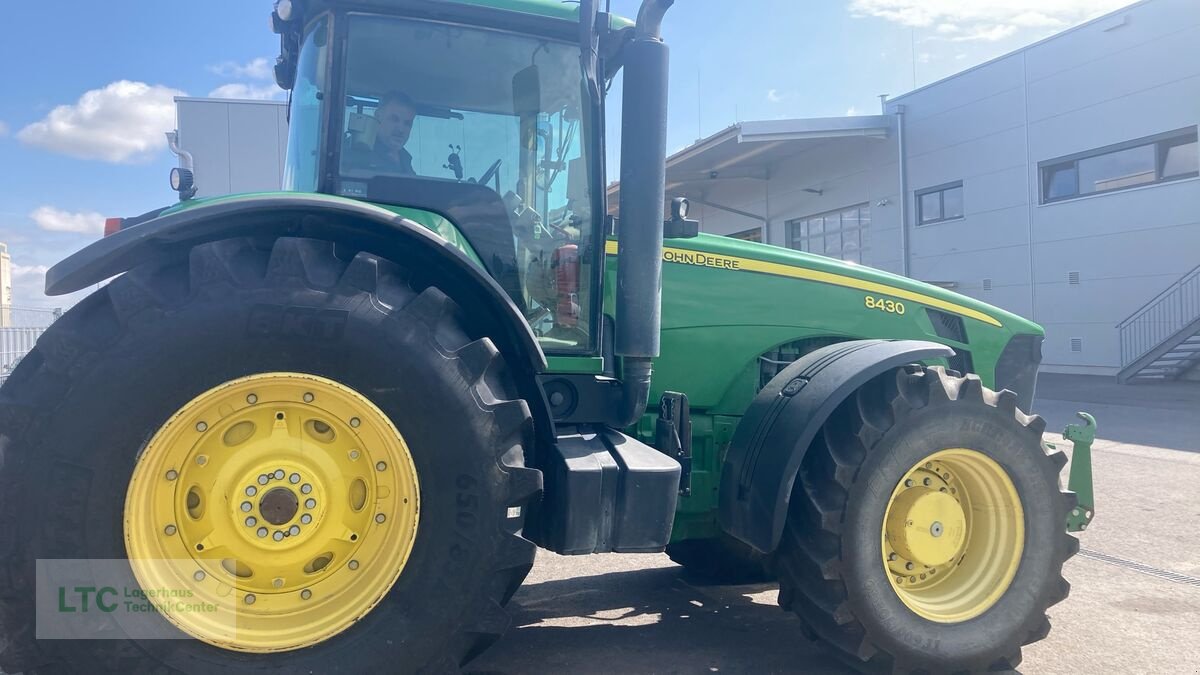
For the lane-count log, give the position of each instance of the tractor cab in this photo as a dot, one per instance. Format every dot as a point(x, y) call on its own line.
point(390, 109)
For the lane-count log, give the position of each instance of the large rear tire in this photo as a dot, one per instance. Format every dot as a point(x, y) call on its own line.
point(92, 402)
point(888, 591)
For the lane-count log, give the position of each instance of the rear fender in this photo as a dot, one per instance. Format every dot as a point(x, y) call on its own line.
point(357, 225)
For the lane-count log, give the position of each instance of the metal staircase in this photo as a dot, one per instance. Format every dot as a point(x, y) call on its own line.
point(1161, 340)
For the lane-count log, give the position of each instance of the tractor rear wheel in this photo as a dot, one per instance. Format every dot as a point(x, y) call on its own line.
point(316, 445)
point(926, 530)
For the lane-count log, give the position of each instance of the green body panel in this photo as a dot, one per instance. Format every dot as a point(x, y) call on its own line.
point(717, 320)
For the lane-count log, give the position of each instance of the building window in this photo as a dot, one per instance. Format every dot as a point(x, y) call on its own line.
point(838, 234)
point(939, 204)
point(753, 234)
point(1145, 161)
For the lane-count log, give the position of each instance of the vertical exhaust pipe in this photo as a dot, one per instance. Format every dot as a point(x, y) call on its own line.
point(643, 179)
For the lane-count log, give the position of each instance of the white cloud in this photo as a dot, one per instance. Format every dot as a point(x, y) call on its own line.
point(57, 220)
point(774, 96)
point(123, 123)
point(993, 34)
point(3, 129)
point(20, 271)
point(252, 91)
point(985, 20)
point(255, 69)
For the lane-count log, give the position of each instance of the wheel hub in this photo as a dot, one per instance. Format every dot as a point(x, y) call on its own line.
point(953, 534)
point(926, 526)
point(288, 501)
point(279, 506)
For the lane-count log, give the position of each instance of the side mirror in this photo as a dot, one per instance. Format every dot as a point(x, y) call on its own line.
point(679, 227)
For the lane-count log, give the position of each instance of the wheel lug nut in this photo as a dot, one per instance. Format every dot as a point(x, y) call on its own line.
point(279, 474)
point(306, 519)
point(912, 579)
point(170, 530)
point(353, 454)
point(199, 575)
point(202, 427)
point(262, 532)
point(310, 503)
point(294, 530)
point(308, 398)
point(353, 564)
point(277, 583)
point(251, 399)
point(355, 422)
point(294, 478)
point(172, 474)
point(263, 479)
point(379, 517)
point(201, 460)
point(908, 566)
point(305, 594)
point(891, 556)
point(251, 521)
point(306, 488)
point(250, 599)
point(278, 536)
point(251, 491)
point(908, 482)
point(926, 481)
point(381, 466)
point(247, 507)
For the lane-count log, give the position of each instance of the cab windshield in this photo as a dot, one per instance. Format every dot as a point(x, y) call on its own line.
point(450, 103)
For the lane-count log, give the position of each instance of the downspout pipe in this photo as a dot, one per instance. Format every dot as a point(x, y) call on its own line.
point(902, 162)
point(643, 195)
point(185, 157)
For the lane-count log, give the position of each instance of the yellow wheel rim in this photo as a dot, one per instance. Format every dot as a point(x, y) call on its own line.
point(282, 506)
point(953, 535)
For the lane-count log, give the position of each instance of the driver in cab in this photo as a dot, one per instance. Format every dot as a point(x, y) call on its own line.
point(383, 150)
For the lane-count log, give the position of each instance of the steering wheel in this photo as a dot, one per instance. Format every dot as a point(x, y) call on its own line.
point(490, 173)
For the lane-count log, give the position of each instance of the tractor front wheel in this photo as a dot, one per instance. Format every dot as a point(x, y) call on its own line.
point(926, 528)
point(316, 445)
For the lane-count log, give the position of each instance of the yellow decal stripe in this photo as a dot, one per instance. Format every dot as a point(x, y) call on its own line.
point(698, 258)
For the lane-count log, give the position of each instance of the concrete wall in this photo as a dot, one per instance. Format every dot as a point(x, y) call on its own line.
point(238, 145)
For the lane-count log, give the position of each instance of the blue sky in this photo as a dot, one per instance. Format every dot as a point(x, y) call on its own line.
point(88, 85)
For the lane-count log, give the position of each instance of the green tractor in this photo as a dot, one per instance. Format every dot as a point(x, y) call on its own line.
point(341, 418)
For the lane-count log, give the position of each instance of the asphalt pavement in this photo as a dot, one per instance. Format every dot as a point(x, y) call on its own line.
point(1134, 605)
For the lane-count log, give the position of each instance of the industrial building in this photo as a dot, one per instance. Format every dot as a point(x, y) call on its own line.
point(1060, 181)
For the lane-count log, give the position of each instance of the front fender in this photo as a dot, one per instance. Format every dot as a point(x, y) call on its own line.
point(359, 226)
point(775, 432)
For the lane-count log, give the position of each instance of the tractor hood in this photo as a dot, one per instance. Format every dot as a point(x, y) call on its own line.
point(736, 255)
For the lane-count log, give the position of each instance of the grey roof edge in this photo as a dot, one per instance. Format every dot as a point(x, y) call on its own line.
point(209, 99)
